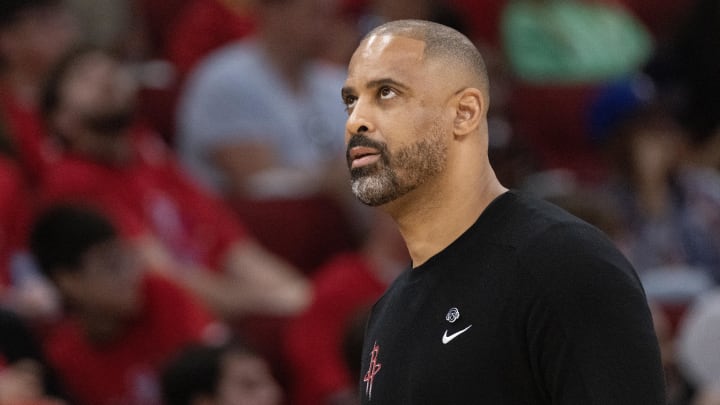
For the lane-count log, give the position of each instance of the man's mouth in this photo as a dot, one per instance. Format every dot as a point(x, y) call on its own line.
point(362, 156)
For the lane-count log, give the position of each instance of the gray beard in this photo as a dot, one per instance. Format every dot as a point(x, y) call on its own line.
point(395, 175)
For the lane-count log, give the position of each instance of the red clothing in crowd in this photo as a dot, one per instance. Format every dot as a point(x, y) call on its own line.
point(184, 34)
point(14, 214)
point(126, 371)
point(27, 135)
point(314, 341)
point(201, 27)
point(150, 194)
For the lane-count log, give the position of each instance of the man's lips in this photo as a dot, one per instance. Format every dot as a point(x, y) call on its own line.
point(362, 156)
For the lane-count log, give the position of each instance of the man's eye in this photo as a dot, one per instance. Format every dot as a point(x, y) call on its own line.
point(349, 102)
point(386, 93)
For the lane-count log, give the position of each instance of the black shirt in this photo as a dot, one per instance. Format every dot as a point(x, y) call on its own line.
point(529, 306)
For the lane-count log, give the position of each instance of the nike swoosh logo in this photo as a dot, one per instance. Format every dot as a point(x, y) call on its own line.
point(447, 339)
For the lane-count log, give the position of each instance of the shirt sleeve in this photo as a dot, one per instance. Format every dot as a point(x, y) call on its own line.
point(589, 331)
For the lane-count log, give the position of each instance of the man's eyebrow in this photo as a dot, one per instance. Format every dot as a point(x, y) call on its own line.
point(373, 84)
point(346, 91)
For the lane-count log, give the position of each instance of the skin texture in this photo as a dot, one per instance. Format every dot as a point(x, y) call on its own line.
point(417, 139)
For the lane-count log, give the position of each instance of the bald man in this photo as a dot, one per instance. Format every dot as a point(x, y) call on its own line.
point(509, 300)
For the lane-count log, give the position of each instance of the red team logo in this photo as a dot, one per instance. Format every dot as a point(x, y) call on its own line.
point(372, 370)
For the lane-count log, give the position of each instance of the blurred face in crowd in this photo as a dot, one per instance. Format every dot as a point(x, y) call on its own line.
point(37, 37)
point(97, 98)
point(246, 380)
point(398, 118)
point(107, 282)
point(301, 24)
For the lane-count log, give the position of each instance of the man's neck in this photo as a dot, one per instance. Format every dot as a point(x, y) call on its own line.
point(431, 222)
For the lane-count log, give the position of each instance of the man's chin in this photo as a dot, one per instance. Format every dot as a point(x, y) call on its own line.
point(369, 194)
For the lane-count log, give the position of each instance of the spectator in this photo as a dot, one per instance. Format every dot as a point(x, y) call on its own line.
point(33, 35)
point(254, 119)
point(344, 287)
point(25, 377)
point(123, 321)
point(258, 122)
point(112, 162)
point(230, 374)
point(670, 208)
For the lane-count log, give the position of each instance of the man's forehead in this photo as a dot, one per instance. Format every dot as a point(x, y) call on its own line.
point(387, 51)
point(379, 44)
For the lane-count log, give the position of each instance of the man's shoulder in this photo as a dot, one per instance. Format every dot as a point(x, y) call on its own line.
point(549, 243)
point(520, 220)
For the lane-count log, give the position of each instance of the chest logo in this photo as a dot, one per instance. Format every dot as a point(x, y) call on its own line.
point(448, 338)
point(374, 368)
point(452, 315)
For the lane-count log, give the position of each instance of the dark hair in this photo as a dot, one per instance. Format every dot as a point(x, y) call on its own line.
point(10, 9)
point(196, 371)
point(63, 233)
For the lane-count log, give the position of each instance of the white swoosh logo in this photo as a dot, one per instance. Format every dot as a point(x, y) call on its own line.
point(446, 339)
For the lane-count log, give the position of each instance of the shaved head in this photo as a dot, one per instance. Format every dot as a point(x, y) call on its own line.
point(441, 43)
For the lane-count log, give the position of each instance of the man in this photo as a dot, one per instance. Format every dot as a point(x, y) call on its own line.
point(123, 322)
point(253, 118)
point(509, 300)
point(257, 122)
point(111, 161)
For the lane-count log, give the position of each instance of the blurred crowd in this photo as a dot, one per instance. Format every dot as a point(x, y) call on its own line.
point(176, 222)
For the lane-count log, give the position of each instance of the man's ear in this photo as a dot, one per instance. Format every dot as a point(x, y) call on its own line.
point(469, 111)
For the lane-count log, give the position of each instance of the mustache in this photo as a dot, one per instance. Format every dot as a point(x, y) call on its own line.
point(362, 140)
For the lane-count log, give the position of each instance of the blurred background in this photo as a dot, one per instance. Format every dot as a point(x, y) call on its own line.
point(176, 225)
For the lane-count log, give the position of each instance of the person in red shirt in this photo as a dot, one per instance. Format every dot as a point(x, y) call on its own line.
point(345, 287)
point(123, 321)
point(112, 162)
point(33, 35)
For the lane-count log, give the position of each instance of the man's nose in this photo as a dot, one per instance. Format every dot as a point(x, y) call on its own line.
point(359, 120)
